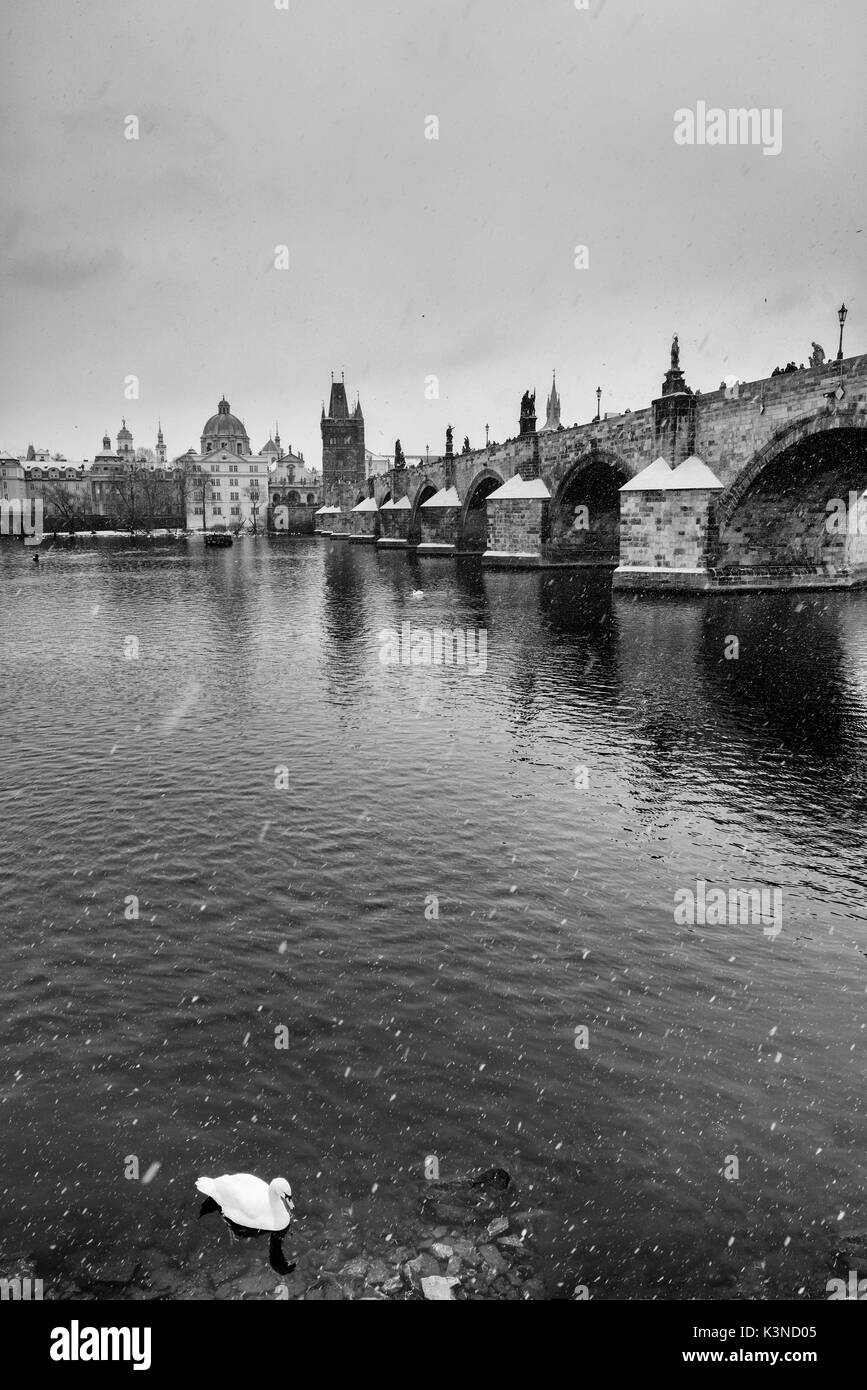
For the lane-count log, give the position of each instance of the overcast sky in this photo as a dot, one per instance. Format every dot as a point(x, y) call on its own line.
point(412, 257)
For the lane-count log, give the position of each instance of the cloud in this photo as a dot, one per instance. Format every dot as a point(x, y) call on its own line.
point(58, 270)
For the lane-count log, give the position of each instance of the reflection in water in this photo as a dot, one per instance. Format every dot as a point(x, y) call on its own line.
point(304, 906)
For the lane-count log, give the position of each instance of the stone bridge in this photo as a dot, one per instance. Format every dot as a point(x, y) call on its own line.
point(763, 467)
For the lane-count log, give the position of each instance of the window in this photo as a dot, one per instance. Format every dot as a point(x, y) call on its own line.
point(233, 496)
point(218, 511)
point(197, 511)
point(235, 510)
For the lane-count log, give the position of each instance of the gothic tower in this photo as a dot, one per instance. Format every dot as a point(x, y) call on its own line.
point(343, 456)
point(161, 446)
point(552, 411)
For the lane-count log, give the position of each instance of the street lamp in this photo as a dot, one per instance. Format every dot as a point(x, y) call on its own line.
point(841, 315)
point(598, 400)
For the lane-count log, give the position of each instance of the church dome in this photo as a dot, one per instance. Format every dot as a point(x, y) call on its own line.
point(223, 429)
point(123, 432)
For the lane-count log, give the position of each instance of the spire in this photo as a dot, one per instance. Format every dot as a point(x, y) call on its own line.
point(552, 413)
point(338, 406)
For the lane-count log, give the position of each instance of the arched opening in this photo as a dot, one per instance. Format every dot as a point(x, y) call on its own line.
point(426, 490)
point(292, 497)
point(585, 512)
point(798, 506)
point(473, 527)
point(311, 498)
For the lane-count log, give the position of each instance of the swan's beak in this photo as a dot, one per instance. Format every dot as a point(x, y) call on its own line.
point(289, 1204)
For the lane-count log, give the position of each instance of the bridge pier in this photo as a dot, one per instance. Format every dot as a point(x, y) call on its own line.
point(394, 524)
point(365, 523)
point(324, 520)
point(664, 527)
point(517, 524)
point(438, 518)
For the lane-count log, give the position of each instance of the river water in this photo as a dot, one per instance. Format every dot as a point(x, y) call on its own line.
point(381, 954)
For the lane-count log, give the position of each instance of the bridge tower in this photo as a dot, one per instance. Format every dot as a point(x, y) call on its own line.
point(343, 453)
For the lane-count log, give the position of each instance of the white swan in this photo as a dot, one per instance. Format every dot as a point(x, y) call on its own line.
point(249, 1201)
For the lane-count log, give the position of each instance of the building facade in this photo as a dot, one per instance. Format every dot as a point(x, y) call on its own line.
point(229, 484)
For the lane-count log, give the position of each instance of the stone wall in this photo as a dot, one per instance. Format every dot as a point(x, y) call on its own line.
point(439, 525)
point(293, 518)
point(518, 525)
point(664, 530)
point(394, 524)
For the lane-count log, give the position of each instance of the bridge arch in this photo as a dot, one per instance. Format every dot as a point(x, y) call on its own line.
point(776, 514)
point(473, 520)
point(584, 514)
point(423, 492)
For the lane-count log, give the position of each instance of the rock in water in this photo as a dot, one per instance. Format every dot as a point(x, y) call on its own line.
point(436, 1286)
point(473, 1196)
point(489, 1177)
point(419, 1268)
point(492, 1177)
point(492, 1257)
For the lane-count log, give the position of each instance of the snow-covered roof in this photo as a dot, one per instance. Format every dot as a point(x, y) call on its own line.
point(517, 487)
point(327, 511)
point(387, 506)
point(446, 497)
point(403, 505)
point(693, 472)
point(368, 505)
point(651, 478)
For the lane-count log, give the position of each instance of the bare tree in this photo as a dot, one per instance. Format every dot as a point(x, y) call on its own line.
point(65, 503)
point(130, 498)
point(257, 520)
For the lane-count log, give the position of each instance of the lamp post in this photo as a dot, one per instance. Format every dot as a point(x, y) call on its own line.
point(598, 401)
point(841, 315)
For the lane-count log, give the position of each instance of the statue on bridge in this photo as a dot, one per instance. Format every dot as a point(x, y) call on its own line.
point(817, 357)
point(399, 460)
point(450, 435)
point(465, 449)
point(675, 353)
